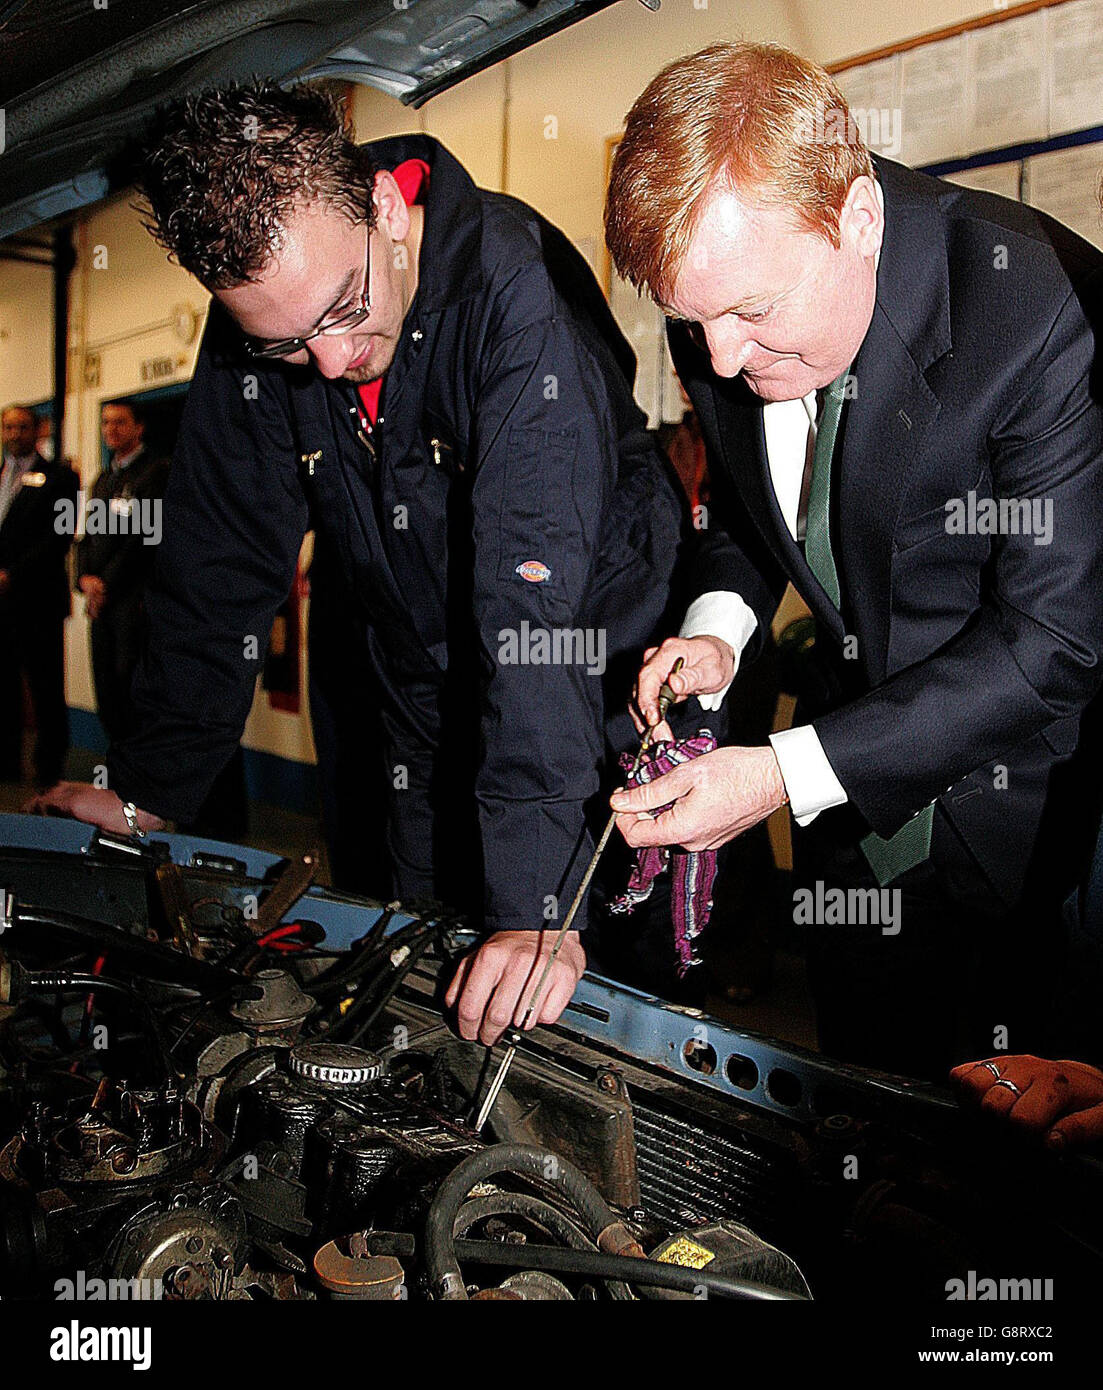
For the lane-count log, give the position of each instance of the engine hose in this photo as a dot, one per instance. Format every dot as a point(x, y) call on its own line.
point(522, 1160)
point(543, 1214)
point(594, 1264)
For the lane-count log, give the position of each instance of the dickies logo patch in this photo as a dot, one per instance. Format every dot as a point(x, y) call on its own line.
point(533, 571)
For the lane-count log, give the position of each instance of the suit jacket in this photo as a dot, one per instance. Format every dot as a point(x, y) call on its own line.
point(33, 549)
point(123, 561)
point(511, 488)
point(974, 652)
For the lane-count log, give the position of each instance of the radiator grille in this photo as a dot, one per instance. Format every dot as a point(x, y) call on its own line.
point(688, 1176)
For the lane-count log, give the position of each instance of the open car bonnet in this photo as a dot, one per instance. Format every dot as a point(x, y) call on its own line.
point(79, 81)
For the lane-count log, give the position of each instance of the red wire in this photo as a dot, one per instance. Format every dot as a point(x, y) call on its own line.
point(89, 1004)
point(274, 938)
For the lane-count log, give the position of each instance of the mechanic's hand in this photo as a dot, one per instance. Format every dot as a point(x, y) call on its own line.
point(494, 983)
point(96, 805)
point(5, 582)
point(709, 666)
point(716, 797)
point(1062, 1101)
point(95, 594)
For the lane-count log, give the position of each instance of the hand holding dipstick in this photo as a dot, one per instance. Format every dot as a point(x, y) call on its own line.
point(666, 699)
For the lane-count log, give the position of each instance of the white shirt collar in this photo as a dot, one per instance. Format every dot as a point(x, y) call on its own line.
point(125, 460)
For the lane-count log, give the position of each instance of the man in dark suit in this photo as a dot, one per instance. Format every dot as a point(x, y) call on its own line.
point(34, 598)
point(894, 379)
point(114, 563)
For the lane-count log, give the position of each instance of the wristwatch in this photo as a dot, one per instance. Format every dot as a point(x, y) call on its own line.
point(130, 814)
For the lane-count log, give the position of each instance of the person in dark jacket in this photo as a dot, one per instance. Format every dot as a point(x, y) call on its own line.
point(433, 380)
point(34, 598)
point(350, 766)
point(114, 561)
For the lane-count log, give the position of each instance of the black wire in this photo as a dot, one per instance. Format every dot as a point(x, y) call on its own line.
point(331, 1018)
point(131, 953)
point(373, 996)
point(378, 948)
point(68, 983)
point(200, 1004)
point(366, 946)
point(327, 984)
point(378, 1001)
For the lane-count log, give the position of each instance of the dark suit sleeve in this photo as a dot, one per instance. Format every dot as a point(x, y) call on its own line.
point(234, 520)
point(729, 554)
point(546, 450)
point(1031, 654)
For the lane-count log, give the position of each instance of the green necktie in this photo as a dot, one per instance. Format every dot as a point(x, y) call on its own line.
point(911, 844)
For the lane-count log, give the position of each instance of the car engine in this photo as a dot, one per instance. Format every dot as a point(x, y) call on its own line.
point(223, 1085)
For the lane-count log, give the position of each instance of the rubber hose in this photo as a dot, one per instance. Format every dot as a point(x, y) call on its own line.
point(523, 1160)
point(594, 1264)
point(544, 1214)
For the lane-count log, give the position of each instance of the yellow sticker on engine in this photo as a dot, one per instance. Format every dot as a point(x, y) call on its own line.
point(687, 1253)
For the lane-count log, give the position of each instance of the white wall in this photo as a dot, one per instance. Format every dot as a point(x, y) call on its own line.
point(26, 342)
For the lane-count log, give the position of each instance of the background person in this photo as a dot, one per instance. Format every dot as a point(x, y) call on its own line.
point(113, 568)
point(34, 599)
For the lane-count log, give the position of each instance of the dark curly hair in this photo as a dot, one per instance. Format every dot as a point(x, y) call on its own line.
point(221, 170)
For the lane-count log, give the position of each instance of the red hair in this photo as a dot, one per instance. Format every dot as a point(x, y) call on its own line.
point(754, 116)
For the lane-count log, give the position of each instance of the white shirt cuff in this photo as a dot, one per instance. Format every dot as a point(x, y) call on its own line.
point(720, 613)
point(809, 780)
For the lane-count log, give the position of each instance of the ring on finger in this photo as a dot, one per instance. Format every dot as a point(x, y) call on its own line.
point(1008, 1086)
point(991, 1066)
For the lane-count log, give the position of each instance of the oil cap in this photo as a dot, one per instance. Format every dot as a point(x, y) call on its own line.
point(334, 1064)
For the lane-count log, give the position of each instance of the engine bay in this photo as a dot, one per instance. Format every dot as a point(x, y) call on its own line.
point(218, 1082)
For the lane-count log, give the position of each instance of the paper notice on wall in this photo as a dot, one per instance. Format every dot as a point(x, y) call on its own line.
point(933, 102)
point(1065, 184)
point(1007, 82)
point(1074, 63)
point(643, 324)
point(872, 92)
point(992, 178)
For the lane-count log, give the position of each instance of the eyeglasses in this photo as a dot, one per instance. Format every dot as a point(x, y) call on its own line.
point(287, 347)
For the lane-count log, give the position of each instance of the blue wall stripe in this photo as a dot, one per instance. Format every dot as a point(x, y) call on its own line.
point(1010, 154)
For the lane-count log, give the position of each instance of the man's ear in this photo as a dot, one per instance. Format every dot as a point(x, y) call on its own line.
point(862, 221)
point(391, 210)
